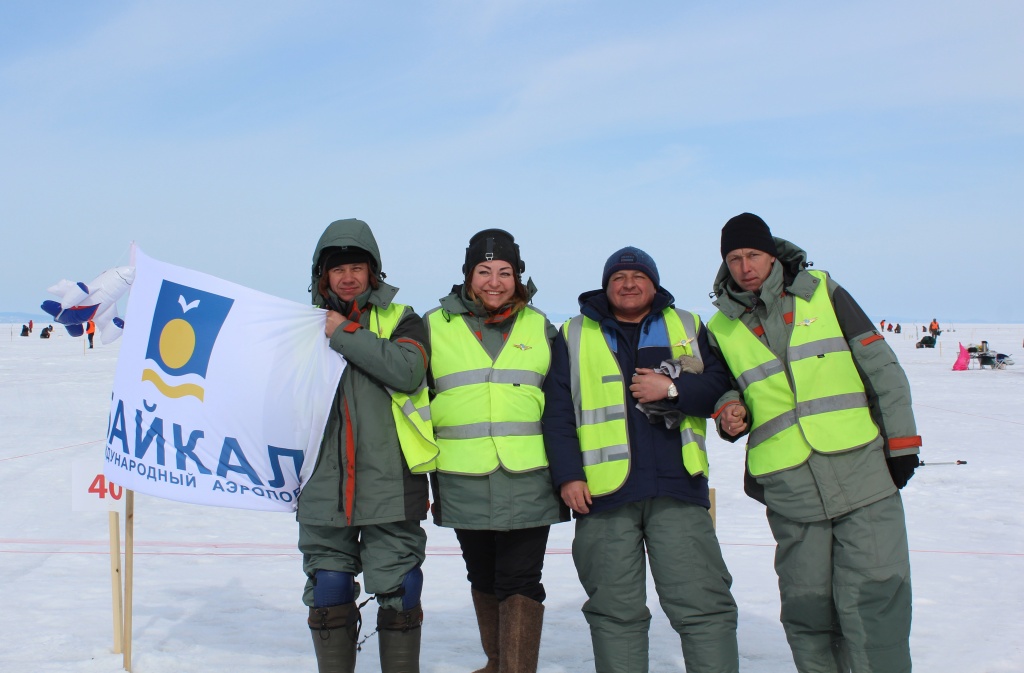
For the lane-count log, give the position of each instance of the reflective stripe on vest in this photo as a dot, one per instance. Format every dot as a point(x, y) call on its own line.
point(599, 400)
point(488, 375)
point(486, 412)
point(410, 412)
point(824, 409)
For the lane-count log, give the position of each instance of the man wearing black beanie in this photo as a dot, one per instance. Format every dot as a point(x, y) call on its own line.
point(831, 439)
point(747, 230)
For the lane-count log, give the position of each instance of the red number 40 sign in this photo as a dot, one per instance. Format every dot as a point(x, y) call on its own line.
point(102, 488)
point(91, 491)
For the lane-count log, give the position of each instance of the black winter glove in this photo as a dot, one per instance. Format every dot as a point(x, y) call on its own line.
point(901, 469)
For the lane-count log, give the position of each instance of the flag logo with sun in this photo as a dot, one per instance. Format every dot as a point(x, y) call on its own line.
point(186, 322)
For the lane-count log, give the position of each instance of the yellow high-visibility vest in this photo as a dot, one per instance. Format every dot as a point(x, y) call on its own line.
point(821, 406)
point(411, 412)
point(599, 398)
point(487, 413)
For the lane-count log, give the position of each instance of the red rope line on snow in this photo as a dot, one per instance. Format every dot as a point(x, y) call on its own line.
point(60, 448)
point(964, 413)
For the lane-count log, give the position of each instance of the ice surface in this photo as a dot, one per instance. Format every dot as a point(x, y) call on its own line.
point(219, 589)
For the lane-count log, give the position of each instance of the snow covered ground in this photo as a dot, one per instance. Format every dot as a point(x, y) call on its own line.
point(219, 589)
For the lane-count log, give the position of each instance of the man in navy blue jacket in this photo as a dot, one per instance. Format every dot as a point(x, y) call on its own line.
point(640, 495)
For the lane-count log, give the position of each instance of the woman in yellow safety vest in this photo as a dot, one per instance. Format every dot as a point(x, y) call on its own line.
point(490, 352)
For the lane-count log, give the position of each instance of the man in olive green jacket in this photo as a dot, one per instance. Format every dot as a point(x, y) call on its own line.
point(835, 511)
point(361, 508)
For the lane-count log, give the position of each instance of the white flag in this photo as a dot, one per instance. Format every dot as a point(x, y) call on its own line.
point(221, 393)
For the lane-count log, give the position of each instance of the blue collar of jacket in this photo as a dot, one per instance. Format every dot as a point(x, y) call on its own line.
point(594, 305)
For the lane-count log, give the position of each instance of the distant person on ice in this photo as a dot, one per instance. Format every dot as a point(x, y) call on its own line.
point(360, 510)
point(933, 328)
point(90, 330)
point(829, 467)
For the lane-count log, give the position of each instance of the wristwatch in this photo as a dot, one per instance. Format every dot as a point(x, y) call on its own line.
point(672, 392)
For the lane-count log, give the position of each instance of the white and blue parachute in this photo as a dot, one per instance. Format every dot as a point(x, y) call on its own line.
point(97, 301)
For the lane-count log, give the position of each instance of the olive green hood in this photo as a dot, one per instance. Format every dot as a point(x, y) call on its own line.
point(350, 233)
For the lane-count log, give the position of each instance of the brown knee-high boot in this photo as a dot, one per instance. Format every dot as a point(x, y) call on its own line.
point(486, 606)
point(335, 631)
point(519, 626)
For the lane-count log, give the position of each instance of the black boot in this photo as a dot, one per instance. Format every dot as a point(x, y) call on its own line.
point(335, 631)
point(399, 634)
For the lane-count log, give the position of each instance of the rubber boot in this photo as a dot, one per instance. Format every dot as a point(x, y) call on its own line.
point(399, 634)
point(486, 606)
point(519, 625)
point(335, 631)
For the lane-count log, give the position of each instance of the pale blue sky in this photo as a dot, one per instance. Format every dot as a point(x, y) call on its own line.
point(885, 138)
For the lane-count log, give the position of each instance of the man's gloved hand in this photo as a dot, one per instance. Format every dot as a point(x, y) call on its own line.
point(902, 468)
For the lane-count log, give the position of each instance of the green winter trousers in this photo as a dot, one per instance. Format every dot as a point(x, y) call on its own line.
point(689, 575)
point(384, 553)
point(845, 588)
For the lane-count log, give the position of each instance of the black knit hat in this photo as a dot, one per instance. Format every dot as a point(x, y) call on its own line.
point(747, 230)
point(347, 254)
point(491, 244)
point(630, 258)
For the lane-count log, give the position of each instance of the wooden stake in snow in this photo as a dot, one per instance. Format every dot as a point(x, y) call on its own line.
point(129, 572)
point(115, 578)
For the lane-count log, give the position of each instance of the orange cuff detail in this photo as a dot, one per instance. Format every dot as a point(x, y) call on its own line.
point(871, 339)
point(350, 327)
point(904, 442)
